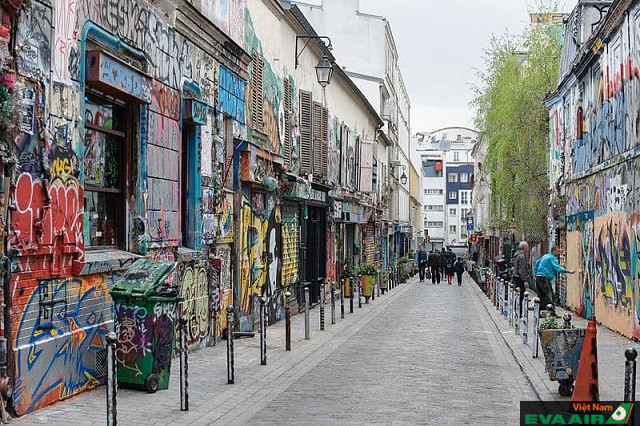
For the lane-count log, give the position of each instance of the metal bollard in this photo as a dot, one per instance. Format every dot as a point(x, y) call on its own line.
point(351, 295)
point(510, 304)
point(322, 294)
point(525, 319)
point(263, 331)
point(307, 323)
point(359, 293)
point(536, 321)
point(184, 366)
point(333, 304)
point(112, 380)
point(516, 312)
point(342, 301)
point(287, 323)
point(230, 360)
point(500, 296)
point(630, 375)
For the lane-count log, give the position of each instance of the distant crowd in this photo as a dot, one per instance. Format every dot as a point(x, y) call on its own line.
point(436, 265)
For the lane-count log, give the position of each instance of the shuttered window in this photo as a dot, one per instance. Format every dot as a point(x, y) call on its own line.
point(256, 91)
point(287, 121)
point(320, 135)
point(306, 140)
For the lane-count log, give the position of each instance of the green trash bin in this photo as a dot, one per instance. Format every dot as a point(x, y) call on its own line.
point(146, 318)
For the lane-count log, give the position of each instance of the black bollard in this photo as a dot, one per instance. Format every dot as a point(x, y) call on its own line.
point(525, 319)
point(112, 380)
point(230, 360)
point(307, 322)
point(516, 312)
point(351, 295)
point(184, 366)
point(287, 323)
point(359, 293)
point(342, 300)
point(333, 304)
point(630, 375)
point(263, 331)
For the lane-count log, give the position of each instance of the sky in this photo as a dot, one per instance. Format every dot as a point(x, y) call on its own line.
point(440, 44)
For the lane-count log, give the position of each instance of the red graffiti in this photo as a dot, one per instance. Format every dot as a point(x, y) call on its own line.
point(627, 71)
point(49, 223)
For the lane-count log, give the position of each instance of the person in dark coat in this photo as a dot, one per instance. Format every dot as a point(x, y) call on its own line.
point(434, 264)
point(459, 269)
point(422, 262)
point(449, 262)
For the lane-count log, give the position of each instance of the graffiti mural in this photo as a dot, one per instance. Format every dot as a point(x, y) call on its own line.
point(59, 338)
point(194, 289)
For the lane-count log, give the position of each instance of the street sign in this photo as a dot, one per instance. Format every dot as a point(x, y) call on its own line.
point(469, 223)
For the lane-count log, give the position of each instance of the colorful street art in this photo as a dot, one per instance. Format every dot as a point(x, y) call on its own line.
point(60, 327)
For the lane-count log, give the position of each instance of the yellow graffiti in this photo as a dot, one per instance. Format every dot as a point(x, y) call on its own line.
point(61, 167)
point(195, 306)
point(254, 272)
point(290, 239)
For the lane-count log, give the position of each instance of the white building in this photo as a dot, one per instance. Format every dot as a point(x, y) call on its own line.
point(364, 45)
point(447, 167)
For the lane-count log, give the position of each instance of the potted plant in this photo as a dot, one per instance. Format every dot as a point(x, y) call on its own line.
point(561, 346)
point(404, 268)
point(368, 273)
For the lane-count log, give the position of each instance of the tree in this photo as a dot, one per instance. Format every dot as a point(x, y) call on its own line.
point(512, 115)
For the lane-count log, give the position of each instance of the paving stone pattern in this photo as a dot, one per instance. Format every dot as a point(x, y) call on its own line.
point(420, 354)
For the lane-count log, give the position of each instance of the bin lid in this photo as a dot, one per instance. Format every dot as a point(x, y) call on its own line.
point(143, 277)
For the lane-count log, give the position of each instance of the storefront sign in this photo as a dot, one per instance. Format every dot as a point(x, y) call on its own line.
point(196, 111)
point(316, 195)
point(114, 77)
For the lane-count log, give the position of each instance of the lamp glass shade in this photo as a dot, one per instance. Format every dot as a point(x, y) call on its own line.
point(324, 70)
point(403, 178)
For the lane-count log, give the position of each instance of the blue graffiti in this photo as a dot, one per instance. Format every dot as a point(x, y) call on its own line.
point(231, 95)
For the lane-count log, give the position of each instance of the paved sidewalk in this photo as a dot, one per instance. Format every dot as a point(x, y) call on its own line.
point(421, 354)
point(611, 347)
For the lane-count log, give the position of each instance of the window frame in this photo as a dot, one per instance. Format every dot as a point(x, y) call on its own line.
point(464, 177)
point(452, 177)
point(453, 195)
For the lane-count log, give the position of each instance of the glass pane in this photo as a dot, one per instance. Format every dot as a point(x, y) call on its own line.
point(102, 159)
point(100, 217)
point(104, 115)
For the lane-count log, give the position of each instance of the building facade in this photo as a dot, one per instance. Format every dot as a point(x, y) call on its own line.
point(365, 46)
point(181, 131)
point(447, 174)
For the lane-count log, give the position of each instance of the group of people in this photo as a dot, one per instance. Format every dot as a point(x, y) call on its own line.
point(439, 264)
point(544, 270)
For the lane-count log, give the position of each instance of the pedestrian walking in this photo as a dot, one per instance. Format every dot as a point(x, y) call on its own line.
point(422, 262)
point(449, 263)
point(521, 271)
point(434, 264)
point(545, 269)
point(459, 268)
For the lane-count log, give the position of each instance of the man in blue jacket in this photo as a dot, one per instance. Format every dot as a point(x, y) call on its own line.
point(546, 268)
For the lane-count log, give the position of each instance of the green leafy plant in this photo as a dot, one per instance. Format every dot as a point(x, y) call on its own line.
point(403, 260)
point(549, 324)
point(368, 269)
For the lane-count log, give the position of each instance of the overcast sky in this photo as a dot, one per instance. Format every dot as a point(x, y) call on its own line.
point(440, 43)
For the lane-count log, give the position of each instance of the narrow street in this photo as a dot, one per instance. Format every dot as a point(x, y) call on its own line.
point(420, 354)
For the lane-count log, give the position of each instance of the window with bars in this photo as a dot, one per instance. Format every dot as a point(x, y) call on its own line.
point(256, 90)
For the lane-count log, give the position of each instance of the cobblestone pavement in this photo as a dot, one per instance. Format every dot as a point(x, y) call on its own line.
point(420, 354)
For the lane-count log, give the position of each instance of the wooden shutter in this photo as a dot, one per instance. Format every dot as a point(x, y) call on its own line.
point(324, 129)
point(287, 121)
point(366, 169)
point(256, 91)
point(306, 139)
point(317, 139)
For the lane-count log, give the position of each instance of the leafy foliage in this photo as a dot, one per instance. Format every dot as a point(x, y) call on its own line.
point(512, 116)
point(549, 324)
point(368, 269)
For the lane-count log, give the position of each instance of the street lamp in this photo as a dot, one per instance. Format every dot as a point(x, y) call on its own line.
point(324, 71)
point(403, 178)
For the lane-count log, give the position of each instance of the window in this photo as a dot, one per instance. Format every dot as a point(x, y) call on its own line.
point(452, 177)
point(434, 224)
point(433, 191)
point(306, 140)
point(453, 195)
point(456, 156)
point(432, 168)
point(256, 90)
point(464, 177)
point(452, 212)
point(453, 229)
point(105, 143)
point(464, 197)
point(434, 207)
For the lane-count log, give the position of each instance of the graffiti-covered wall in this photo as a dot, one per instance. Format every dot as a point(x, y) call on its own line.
point(101, 180)
point(594, 161)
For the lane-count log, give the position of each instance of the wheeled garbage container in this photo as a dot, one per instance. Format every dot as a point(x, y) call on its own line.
point(146, 316)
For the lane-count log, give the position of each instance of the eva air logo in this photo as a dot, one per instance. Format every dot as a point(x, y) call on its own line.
point(621, 415)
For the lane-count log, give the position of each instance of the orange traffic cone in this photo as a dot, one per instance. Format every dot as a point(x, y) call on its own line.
point(586, 387)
